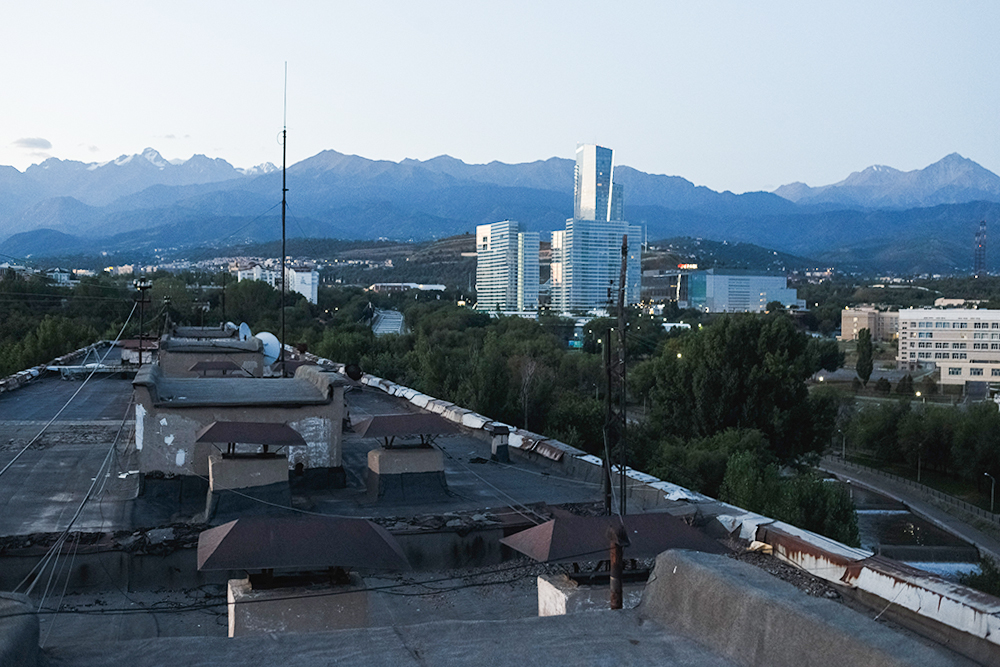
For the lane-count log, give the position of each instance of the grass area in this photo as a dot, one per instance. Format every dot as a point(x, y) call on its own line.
point(944, 482)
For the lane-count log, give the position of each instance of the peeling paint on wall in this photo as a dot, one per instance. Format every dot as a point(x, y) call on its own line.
point(140, 425)
point(180, 457)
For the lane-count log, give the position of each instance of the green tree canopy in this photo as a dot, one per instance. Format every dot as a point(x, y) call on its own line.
point(866, 356)
point(742, 372)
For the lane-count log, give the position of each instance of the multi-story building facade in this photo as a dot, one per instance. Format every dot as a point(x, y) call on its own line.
point(883, 325)
point(301, 279)
point(964, 344)
point(586, 255)
point(734, 291)
point(304, 280)
point(586, 265)
point(506, 267)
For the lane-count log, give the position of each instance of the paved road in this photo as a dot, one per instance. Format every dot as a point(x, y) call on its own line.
point(916, 502)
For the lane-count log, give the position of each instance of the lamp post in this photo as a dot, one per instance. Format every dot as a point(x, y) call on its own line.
point(993, 488)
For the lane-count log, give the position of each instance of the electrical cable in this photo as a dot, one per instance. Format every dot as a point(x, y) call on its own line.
point(70, 400)
point(329, 593)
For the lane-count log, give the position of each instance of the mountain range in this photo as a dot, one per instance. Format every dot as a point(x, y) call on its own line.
point(878, 219)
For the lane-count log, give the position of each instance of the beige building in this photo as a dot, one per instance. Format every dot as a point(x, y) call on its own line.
point(964, 344)
point(884, 325)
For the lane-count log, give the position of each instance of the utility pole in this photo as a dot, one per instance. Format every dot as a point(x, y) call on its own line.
point(284, 205)
point(141, 285)
point(614, 425)
point(623, 423)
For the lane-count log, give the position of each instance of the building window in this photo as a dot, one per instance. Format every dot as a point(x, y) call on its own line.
point(975, 371)
point(954, 371)
point(995, 372)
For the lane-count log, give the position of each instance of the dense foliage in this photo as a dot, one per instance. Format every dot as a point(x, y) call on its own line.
point(963, 443)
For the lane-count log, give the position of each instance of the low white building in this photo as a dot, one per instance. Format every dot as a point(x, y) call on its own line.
point(255, 271)
point(300, 278)
point(735, 291)
point(964, 344)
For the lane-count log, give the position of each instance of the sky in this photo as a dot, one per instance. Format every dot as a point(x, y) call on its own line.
point(733, 95)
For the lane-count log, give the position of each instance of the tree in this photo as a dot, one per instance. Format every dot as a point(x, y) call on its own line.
point(905, 385)
point(865, 363)
point(750, 485)
point(883, 386)
point(742, 372)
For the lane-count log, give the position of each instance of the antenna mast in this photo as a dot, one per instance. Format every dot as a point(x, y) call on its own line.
point(284, 204)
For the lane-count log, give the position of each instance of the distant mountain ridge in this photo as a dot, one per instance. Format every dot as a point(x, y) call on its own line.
point(143, 201)
point(951, 180)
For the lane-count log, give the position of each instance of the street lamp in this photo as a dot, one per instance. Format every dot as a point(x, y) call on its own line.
point(993, 488)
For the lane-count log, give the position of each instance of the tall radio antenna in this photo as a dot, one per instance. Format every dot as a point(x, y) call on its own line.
point(284, 205)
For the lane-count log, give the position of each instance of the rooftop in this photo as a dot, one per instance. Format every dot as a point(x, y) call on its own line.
point(133, 550)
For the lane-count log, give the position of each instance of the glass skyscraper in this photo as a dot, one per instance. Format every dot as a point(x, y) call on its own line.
point(506, 267)
point(586, 255)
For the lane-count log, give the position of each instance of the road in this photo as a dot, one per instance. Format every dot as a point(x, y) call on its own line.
point(916, 502)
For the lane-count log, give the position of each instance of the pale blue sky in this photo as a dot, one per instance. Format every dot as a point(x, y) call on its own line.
point(732, 95)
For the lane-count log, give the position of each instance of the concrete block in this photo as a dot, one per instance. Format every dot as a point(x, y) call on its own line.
point(421, 400)
point(558, 594)
point(296, 609)
point(753, 618)
point(405, 461)
point(18, 631)
point(243, 473)
point(473, 420)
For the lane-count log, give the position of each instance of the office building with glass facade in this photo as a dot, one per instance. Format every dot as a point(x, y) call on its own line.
point(586, 255)
point(506, 267)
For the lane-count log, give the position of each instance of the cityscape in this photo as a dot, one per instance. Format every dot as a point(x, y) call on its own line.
point(673, 342)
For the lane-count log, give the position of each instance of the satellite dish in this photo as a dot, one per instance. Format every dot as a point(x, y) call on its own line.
point(353, 371)
point(231, 327)
point(245, 331)
point(272, 347)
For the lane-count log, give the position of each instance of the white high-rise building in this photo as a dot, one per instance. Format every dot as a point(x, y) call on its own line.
point(586, 256)
point(586, 265)
point(304, 280)
point(506, 267)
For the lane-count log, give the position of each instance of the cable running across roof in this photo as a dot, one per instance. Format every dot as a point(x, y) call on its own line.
point(70, 400)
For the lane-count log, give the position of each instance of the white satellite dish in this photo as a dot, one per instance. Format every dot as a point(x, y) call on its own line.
point(272, 347)
point(231, 326)
point(245, 331)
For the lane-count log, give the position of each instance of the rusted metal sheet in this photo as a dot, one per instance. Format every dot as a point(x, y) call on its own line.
point(929, 596)
point(542, 448)
point(410, 424)
point(254, 433)
point(269, 542)
point(818, 555)
point(569, 538)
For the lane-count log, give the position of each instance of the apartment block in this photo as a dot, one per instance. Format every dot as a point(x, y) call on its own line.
point(964, 344)
point(883, 325)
